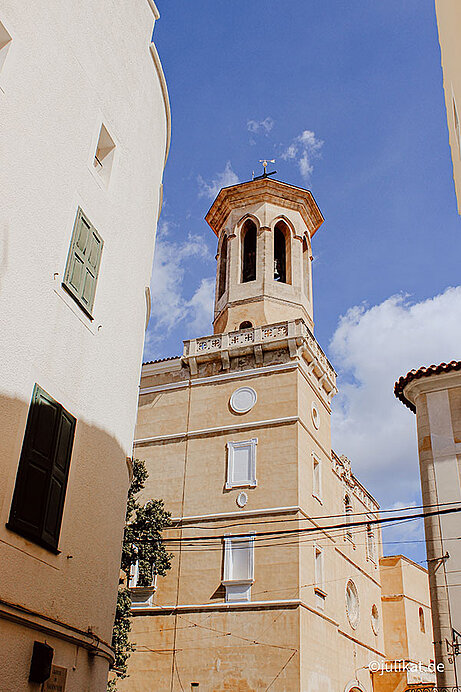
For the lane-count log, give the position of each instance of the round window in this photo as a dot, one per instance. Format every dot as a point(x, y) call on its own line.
point(352, 604)
point(315, 416)
point(243, 399)
point(374, 619)
point(242, 499)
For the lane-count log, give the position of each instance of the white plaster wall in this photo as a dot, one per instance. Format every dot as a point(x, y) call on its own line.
point(70, 67)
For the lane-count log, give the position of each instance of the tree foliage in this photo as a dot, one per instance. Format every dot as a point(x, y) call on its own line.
point(142, 543)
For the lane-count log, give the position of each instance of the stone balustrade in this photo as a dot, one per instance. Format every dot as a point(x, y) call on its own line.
point(294, 335)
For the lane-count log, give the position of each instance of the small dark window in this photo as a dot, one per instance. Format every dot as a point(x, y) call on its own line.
point(245, 325)
point(306, 269)
point(280, 256)
point(222, 268)
point(249, 251)
point(41, 481)
point(422, 624)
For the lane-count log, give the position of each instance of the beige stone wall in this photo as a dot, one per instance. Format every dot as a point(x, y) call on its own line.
point(405, 589)
point(184, 429)
point(438, 403)
point(449, 26)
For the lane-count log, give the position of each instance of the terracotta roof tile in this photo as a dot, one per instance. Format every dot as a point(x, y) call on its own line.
point(160, 360)
point(417, 374)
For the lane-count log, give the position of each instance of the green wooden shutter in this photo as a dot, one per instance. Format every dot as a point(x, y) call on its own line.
point(83, 262)
point(41, 482)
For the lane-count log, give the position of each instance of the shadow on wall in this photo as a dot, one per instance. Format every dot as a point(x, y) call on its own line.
point(78, 585)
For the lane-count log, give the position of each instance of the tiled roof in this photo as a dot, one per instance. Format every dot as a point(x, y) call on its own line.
point(417, 374)
point(160, 360)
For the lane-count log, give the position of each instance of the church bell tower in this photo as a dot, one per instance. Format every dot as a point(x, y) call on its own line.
point(264, 229)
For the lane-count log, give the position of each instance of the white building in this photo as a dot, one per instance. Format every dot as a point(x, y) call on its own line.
point(84, 136)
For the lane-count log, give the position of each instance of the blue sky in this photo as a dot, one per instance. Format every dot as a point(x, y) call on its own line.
point(347, 96)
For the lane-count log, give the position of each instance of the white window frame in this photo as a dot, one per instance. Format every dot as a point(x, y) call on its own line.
point(238, 590)
point(319, 564)
point(371, 544)
point(231, 447)
point(134, 578)
point(316, 491)
point(348, 511)
point(141, 596)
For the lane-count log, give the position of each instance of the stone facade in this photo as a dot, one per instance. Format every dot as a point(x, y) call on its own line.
point(449, 25)
point(236, 436)
point(434, 394)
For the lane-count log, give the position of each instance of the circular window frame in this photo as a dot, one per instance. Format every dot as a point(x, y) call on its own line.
point(315, 415)
point(375, 621)
point(353, 621)
point(242, 499)
point(233, 401)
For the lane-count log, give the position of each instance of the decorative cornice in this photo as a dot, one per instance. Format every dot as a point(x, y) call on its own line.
point(217, 431)
point(293, 335)
point(267, 190)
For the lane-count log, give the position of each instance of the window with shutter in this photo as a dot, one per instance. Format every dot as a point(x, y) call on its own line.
point(83, 263)
point(41, 481)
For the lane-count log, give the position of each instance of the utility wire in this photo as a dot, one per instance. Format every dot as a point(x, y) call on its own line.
point(310, 529)
point(194, 525)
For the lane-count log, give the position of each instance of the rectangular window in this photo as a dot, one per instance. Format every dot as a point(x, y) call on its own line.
point(316, 480)
point(41, 481)
point(319, 575)
point(238, 567)
point(83, 262)
point(348, 511)
point(5, 43)
point(104, 155)
point(241, 464)
point(371, 544)
point(319, 588)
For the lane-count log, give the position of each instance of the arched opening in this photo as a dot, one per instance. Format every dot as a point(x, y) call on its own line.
point(282, 252)
point(222, 268)
point(306, 277)
point(280, 255)
point(245, 325)
point(422, 624)
point(248, 251)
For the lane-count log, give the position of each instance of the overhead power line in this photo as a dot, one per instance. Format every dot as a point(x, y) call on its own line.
point(199, 524)
point(310, 529)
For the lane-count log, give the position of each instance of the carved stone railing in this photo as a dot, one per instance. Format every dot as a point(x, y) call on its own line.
point(417, 688)
point(294, 335)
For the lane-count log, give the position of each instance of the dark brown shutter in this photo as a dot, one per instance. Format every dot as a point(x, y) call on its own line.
point(39, 494)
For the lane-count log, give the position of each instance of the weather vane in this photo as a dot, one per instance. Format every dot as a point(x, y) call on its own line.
point(265, 174)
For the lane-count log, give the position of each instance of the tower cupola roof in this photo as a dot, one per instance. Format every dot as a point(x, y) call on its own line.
point(265, 190)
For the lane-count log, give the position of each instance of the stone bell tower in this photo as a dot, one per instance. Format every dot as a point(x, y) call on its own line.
point(235, 433)
point(264, 229)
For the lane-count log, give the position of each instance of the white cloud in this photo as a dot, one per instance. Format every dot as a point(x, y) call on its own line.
point(304, 149)
point(170, 306)
point(373, 347)
point(224, 179)
point(200, 307)
point(263, 126)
